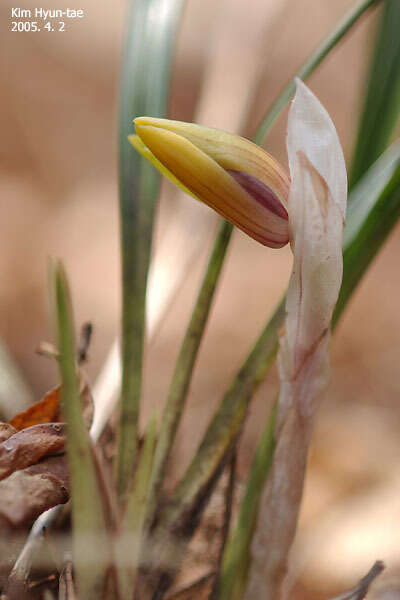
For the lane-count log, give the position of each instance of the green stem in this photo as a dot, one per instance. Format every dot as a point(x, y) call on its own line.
point(228, 420)
point(187, 358)
point(310, 65)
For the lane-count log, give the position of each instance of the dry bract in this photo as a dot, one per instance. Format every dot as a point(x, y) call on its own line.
point(317, 204)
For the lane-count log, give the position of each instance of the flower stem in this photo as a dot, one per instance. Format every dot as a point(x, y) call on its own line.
point(186, 360)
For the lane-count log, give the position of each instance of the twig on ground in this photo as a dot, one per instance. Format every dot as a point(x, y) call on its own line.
point(200, 588)
point(360, 591)
point(66, 589)
point(84, 342)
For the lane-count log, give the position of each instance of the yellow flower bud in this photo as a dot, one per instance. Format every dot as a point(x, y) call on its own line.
point(235, 177)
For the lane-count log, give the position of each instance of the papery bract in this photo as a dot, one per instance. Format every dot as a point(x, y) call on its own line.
point(316, 209)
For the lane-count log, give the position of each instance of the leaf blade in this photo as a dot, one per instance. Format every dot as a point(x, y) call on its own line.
point(382, 99)
point(90, 535)
point(144, 89)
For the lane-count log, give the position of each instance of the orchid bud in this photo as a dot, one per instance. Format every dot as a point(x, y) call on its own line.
point(235, 177)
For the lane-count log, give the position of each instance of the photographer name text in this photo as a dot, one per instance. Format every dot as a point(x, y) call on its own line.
point(47, 13)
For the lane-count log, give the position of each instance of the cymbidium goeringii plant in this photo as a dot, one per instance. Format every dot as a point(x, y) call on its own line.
point(250, 189)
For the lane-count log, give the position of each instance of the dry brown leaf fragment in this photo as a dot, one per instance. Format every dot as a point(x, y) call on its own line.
point(46, 410)
point(86, 398)
point(6, 431)
point(26, 494)
point(199, 590)
point(30, 445)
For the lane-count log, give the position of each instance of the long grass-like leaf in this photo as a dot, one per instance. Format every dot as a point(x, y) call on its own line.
point(382, 99)
point(311, 64)
point(374, 211)
point(237, 553)
point(90, 536)
point(144, 90)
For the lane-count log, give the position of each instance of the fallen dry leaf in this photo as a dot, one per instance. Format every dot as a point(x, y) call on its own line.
point(6, 431)
point(46, 410)
point(24, 495)
point(33, 475)
point(30, 445)
point(199, 590)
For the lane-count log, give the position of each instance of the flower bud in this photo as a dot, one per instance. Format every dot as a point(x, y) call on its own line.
point(235, 177)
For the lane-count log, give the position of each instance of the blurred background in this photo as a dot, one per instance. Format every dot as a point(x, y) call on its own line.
point(58, 197)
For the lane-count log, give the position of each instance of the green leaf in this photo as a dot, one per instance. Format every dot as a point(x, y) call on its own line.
point(237, 553)
point(144, 91)
point(312, 62)
point(382, 98)
point(91, 543)
point(373, 211)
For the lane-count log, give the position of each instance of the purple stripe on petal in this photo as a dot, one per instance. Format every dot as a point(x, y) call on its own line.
point(260, 192)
